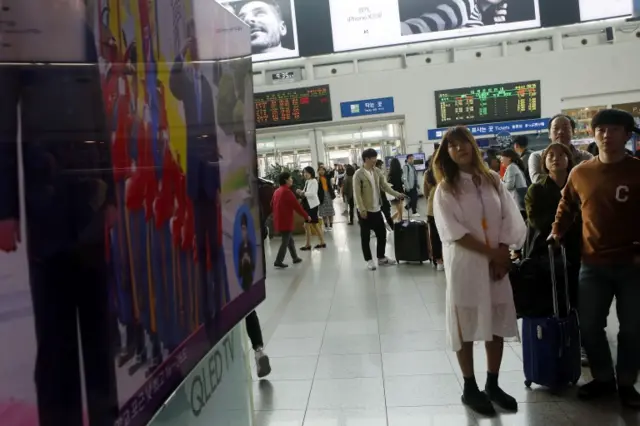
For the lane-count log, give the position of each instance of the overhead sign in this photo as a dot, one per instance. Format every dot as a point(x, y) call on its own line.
point(285, 76)
point(496, 128)
point(366, 107)
point(294, 106)
point(359, 24)
point(490, 103)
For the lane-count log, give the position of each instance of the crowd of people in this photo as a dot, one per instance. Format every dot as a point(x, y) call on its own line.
point(374, 196)
point(481, 207)
point(560, 195)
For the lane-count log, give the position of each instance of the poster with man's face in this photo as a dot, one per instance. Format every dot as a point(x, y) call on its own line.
point(272, 23)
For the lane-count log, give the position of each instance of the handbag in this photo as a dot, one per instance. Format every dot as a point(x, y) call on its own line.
point(531, 280)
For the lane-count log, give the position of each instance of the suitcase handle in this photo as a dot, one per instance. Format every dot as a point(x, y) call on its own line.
point(552, 267)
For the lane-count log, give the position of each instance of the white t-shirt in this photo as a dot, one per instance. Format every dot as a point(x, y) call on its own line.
point(373, 178)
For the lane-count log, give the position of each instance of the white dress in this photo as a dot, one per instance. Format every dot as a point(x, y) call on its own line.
point(477, 307)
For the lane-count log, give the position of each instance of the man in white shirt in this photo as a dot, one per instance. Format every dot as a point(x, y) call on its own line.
point(561, 129)
point(410, 178)
point(367, 183)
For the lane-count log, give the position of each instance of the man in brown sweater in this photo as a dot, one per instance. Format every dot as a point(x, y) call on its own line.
point(606, 191)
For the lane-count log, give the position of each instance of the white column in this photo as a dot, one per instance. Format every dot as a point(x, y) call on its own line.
point(317, 147)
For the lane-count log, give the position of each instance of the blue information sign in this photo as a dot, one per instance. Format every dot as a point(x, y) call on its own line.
point(495, 128)
point(366, 107)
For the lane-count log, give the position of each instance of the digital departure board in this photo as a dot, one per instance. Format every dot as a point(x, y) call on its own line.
point(293, 106)
point(488, 104)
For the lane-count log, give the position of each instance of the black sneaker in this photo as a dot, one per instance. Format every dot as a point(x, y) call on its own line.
point(305, 248)
point(501, 398)
point(629, 397)
point(296, 261)
point(597, 389)
point(280, 265)
point(478, 402)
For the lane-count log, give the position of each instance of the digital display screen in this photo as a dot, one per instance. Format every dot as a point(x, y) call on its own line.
point(274, 32)
point(358, 24)
point(591, 10)
point(488, 104)
point(293, 106)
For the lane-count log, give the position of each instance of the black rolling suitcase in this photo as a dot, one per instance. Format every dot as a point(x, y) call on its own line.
point(411, 241)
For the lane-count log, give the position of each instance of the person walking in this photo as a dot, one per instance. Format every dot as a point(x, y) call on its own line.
point(395, 180)
point(367, 183)
point(386, 204)
point(284, 204)
point(347, 191)
point(326, 210)
point(435, 244)
point(410, 178)
point(311, 202)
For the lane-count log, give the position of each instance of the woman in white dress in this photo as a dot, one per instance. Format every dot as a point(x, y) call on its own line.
point(477, 220)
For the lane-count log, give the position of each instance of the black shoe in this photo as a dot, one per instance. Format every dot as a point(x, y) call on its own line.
point(296, 261)
point(319, 246)
point(597, 389)
point(350, 223)
point(629, 397)
point(501, 398)
point(478, 402)
point(305, 248)
point(280, 265)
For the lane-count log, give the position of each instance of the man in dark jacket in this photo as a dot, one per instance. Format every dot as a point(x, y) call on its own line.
point(521, 146)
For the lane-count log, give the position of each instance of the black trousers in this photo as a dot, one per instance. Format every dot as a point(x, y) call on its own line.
point(435, 244)
point(287, 243)
point(413, 200)
point(351, 208)
point(373, 222)
point(254, 331)
point(70, 294)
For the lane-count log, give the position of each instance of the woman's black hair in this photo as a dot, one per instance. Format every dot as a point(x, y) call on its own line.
point(283, 178)
point(395, 168)
point(244, 221)
point(310, 170)
point(515, 158)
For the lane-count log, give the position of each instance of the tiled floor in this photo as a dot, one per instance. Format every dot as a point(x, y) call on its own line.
point(351, 347)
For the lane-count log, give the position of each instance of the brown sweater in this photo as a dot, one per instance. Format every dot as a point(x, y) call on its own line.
point(609, 197)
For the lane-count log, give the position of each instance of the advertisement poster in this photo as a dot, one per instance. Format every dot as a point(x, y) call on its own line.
point(272, 24)
point(374, 23)
point(591, 10)
point(140, 247)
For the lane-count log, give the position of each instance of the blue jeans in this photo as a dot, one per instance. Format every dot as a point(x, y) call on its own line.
point(598, 285)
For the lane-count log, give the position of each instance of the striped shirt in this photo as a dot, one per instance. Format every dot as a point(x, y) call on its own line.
point(444, 15)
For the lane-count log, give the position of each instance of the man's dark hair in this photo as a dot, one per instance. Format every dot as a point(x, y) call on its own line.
point(369, 153)
point(571, 120)
point(284, 177)
point(409, 156)
point(349, 170)
point(521, 140)
point(273, 3)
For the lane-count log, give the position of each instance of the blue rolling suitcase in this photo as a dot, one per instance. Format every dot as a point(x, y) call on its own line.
point(551, 345)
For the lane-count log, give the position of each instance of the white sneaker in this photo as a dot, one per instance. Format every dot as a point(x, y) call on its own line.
point(416, 215)
point(371, 265)
point(263, 366)
point(386, 262)
point(440, 267)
